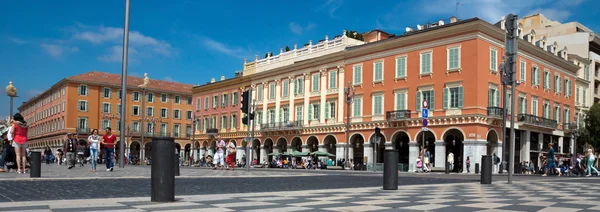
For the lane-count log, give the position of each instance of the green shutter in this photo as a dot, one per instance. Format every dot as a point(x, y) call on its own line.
point(431, 100)
point(497, 98)
point(525, 107)
point(398, 101)
point(326, 110)
point(310, 107)
point(402, 101)
point(418, 102)
point(490, 97)
point(460, 97)
point(533, 75)
point(445, 102)
point(537, 80)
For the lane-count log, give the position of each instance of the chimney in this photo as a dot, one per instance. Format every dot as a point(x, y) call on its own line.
point(222, 78)
point(453, 19)
point(212, 80)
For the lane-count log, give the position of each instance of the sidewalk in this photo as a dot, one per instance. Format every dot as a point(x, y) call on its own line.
point(460, 197)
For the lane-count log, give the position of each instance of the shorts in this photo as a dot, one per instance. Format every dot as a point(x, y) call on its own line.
point(219, 159)
point(17, 145)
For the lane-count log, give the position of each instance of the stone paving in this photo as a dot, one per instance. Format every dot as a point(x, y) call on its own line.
point(461, 197)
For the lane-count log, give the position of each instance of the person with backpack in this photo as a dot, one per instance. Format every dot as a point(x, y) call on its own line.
point(496, 162)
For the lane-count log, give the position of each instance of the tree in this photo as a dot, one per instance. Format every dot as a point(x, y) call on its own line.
point(287, 48)
point(592, 125)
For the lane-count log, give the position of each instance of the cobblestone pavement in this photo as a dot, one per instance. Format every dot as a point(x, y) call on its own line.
point(461, 197)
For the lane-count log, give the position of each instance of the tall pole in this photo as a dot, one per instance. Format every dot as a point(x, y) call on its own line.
point(504, 155)
point(124, 84)
point(10, 114)
point(193, 135)
point(143, 111)
point(511, 52)
point(349, 98)
point(250, 121)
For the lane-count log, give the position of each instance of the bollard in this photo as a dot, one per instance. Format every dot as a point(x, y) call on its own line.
point(500, 167)
point(476, 168)
point(35, 164)
point(448, 168)
point(162, 176)
point(176, 172)
point(390, 169)
point(486, 169)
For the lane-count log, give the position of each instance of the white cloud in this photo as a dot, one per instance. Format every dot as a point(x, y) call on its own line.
point(299, 29)
point(222, 47)
point(57, 51)
point(115, 54)
point(114, 36)
point(17, 40)
point(168, 79)
point(331, 6)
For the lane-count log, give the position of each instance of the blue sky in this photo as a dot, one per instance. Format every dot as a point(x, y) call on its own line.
point(191, 41)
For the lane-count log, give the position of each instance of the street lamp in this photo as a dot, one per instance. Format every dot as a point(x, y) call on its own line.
point(349, 91)
point(11, 92)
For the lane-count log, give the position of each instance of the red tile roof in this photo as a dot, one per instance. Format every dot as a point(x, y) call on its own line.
point(115, 80)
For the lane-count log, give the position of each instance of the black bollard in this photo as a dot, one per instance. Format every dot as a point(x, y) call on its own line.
point(162, 171)
point(486, 169)
point(500, 168)
point(35, 164)
point(176, 172)
point(476, 168)
point(448, 168)
point(390, 170)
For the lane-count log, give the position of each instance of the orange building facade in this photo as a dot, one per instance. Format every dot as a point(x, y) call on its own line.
point(81, 103)
point(454, 66)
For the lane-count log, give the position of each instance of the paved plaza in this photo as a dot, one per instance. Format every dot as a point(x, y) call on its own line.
point(199, 189)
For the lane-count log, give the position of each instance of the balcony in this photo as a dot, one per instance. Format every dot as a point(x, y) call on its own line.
point(212, 131)
point(397, 115)
point(495, 111)
point(567, 127)
point(537, 121)
point(83, 130)
point(281, 126)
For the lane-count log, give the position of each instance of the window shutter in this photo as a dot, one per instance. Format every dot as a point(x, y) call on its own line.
point(418, 102)
point(460, 97)
point(432, 100)
point(397, 101)
point(326, 110)
point(497, 98)
point(537, 80)
point(280, 115)
point(490, 97)
point(532, 75)
point(445, 102)
point(525, 106)
point(310, 108)
point(402, 101)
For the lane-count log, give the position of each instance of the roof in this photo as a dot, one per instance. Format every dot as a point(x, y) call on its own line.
point(378, 30)
point(104, 78)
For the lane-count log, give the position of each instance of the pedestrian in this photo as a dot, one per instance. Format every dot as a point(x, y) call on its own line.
point(451, 161)
point(231, 155)
point(496, 161)
point(7, 146)
point(70, 147)
point(108, 140)
point(468, 165)
point(219, 161)
point(550, 161)
point(93, 141)
point(590, 163)
point(48, 155)
point(81, 148)
point(19, 141)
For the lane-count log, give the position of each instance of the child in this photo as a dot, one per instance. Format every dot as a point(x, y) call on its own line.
point(81, 148)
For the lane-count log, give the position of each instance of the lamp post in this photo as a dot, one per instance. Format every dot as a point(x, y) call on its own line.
point(11, 92)
point(124, 80)
point(143, 87)
point(349, 91)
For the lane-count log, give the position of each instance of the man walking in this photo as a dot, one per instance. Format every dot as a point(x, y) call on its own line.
point(70, 147)
point(219, 160)
point(451, 161)
point(109, 148)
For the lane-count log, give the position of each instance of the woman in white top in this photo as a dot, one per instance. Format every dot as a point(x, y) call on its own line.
point(94, 141)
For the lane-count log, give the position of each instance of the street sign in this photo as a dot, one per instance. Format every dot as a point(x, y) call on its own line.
point(425, 104)
point(424, 129)
point(425, 113)
point(424, 122)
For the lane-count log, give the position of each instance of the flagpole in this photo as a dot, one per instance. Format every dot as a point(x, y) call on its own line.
point(124, 87)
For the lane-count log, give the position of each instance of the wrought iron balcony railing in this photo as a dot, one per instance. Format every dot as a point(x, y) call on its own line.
point(495, 111)
point(282, 125)
point(397, 115)
point(538, 121)
point(567, 126)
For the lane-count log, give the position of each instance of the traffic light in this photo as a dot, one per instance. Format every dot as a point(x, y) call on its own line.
point(245, 120)
point(245, 102)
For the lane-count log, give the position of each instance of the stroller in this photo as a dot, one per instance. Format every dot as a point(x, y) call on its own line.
point(11, 160)
point(420, 167)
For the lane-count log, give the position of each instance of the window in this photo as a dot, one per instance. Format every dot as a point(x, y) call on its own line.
point(332, 79)
point(299, 113)
point(198, 104)
point(177, 99)
point(215, 102)
point(164, 98)
point(557, 84)
point(83, 90)
point(205, 103)
point(584, 96)
point(164, 129)
point(188, 130)
point(577, 95)
point(493, 60)
point(259, 118)
point(150, 111)
point(568, 87)
point(106, 93)
point(315, 82)
point(135, 110)
point(378, 71)
point(234, 98)
point(63, 106)
point(177, 114)
point(401, 67)
point(453, 97)
point(118, 125)
point(494, 97)
point(82, 123)
point(400, 103)
point(189, 100)
point(188, 115)
point(453, 58)
point(223, 122)
point(119, 94)
point(546, 110)
point(357, 75)
point(106, 107)
point(557, 113)
point(259, 92)
point(285, 114)
point(546, 80)
point(535, 76)
point(176, 130)
point(534, 106)
point(224, 100)
point(586, 72)
point(285, 90)
point(314, 111)
point(271, 90)
point(331, 110)
point(522, 105)
point(82, 105)
point(150, 127)
point(135, 96)
point(567, 115)
point(299, 86)
point(118, 108)
point(428, 95)
point(105, 123)
point(233, 121)
point(164, 113)
point(378, 104)
point(523, 70)
point(426, 63)
point(271, 118)
point(357, 107)
point(150, 97)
